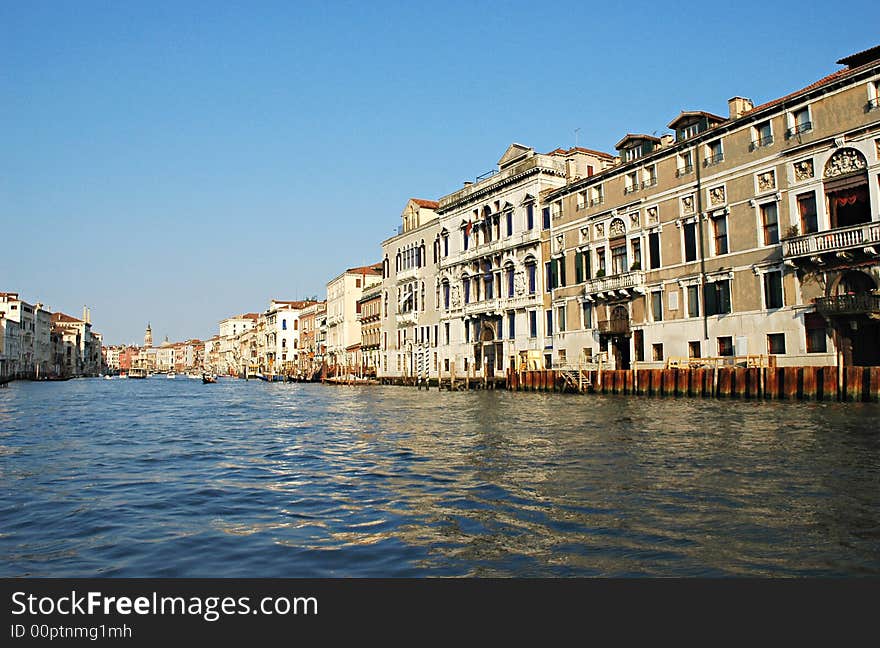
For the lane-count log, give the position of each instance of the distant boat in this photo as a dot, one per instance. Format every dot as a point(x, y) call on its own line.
point(108, 377)
point(171, 376)
point(137, 372)
point(206, 379)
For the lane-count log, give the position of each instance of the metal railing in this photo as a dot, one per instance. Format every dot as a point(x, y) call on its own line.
point(761, 141)
point(597, 201)
point(797, 129)
point(832, 240)
point(873, 104)
point(685, 170)
point(856, 304)
point(649, 183)
point(713, 159)
point(616, 325)
point(631, 189)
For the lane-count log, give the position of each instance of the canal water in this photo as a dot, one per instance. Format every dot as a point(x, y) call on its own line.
point(173, 478)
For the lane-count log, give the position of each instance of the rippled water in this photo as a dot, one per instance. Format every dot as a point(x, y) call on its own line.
point(176, 478)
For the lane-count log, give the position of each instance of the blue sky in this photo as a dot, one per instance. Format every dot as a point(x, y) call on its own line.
point(179, 162)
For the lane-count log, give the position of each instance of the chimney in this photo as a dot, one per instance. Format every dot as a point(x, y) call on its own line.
point(570, 169)
point(739, 106)
point(666, 140)
point(85, 317)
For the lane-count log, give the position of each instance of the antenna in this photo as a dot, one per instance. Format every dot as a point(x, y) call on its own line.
point(576, 131)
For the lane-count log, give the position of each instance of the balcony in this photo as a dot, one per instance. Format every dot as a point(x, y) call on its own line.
point(615, 326)
point(712, 160)
point(873, 104)
point(760, 142)
point(685, 170)
point(799, 129)
point(860, 304)
point(626, 284)
point(408, 274)
point(841, 243)
point(631, 189)
point(596, 201)
point(408, 318)
point(484, 306)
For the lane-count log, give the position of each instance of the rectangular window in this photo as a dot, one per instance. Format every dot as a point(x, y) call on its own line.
point(530, 217)
point(762, 135)
point(545, 215)
point(799, 121)
point(770, 223)
point(549, 330)
point(690, 241)
point(725, 346)
point(560, 318)
point(650, 176)
point(578, 267)
point(560, 264)
point(445, 246)
point(510, 282)
point(816, 336)
point(773, 289)
point(694, 349)
point(807, 211)
point(714, 153)
point(693, 297)
point(631, 181)
point(511, 325)
point(587, 312)
point(654, 249)
point(685, 164)
point(446, 332)
point(639, 345)
point(657, 305)
point(618, 259)
point(548, 276)
point(466, 289)
point(776, 343)
point(532, 270)
point(637, 254)
point(465, 238)
point(467, 331)
point(533, 324)
point(509, 218)
point(600, 262)
point(716, 297)
point(657, 350)
point(719, 226)
point(446, 296)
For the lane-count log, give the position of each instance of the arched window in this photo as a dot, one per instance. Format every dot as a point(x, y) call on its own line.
point(283, 343)
point(509, 278)
point(466, 288)
point(283, 324)
point(446, 294)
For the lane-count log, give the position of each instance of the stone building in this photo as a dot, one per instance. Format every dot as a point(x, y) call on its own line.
point(343, 327)
point(751, 234)
point(410, 293)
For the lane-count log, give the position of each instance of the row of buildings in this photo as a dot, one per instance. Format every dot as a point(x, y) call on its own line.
point(36, 343)
point(168, 357)
point(754, 234)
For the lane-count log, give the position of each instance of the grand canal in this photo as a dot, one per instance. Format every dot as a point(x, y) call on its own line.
point(175, 478)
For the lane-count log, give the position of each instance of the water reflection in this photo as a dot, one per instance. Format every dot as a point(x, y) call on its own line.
point(174, 478)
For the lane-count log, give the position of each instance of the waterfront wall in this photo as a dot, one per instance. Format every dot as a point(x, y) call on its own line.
point(778, 383)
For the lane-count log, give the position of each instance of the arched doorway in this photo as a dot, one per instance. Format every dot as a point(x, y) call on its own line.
point(853, 308)
point(486, 349)
point(619, 335)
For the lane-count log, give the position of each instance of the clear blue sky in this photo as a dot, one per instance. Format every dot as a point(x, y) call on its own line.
point(180, 162)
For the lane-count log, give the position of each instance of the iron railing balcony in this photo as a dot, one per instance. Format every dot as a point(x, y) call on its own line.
point(597, 201)
point(712, 160)
point(631, 189)
point(761, 142)
point(858, 304)
point(615, 326)
point(864, 238)
point(685, 170)
point(649, 183)
point(798, 129)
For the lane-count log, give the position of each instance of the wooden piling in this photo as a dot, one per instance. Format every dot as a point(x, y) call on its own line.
point(629, 382)
point(725, 380)
point(854, 383)
point(771, 383)
point(874, 384)
point(753, 382)
point(809, 386)
point(682, 377)
point(829, 383)
point(739, 382)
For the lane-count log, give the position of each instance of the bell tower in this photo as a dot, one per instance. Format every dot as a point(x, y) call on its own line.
point(148, 337)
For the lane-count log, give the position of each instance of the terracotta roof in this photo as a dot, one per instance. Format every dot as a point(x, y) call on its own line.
point(429, 204)
point(61, 317)
point(831, 77)
point(684, 114)
point(9, 294)
point(860, 58)
point(632, 136)
point(580, 149)
point(252, 316)
point(375, 269)
point(295, 304)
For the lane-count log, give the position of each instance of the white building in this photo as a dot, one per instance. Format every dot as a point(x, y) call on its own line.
point(411, 294)
point(495, 261)
point(343, 326)
point(231, 329)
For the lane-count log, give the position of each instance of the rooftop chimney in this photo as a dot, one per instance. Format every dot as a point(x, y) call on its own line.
point(570, 169)
point(739, 106)
point(666, 140)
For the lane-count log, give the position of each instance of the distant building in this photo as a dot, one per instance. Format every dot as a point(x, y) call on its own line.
point(343, 327)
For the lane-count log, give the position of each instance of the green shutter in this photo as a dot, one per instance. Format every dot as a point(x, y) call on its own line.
point(578, 267)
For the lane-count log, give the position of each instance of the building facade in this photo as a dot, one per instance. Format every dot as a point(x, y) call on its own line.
point(343, 326)
point(751, 235)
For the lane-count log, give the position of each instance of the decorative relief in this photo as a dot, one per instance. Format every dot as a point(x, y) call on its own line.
point(600, 230)
point(617, 228)
point(634, 220)
point(845, 161)
point(687, 204)
point(652, 215)
point(803, 170)
point(519, 283)
point(455, 297)
point(585, 233)
point(560, 241)
point(767, 181)
point(716, 196)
